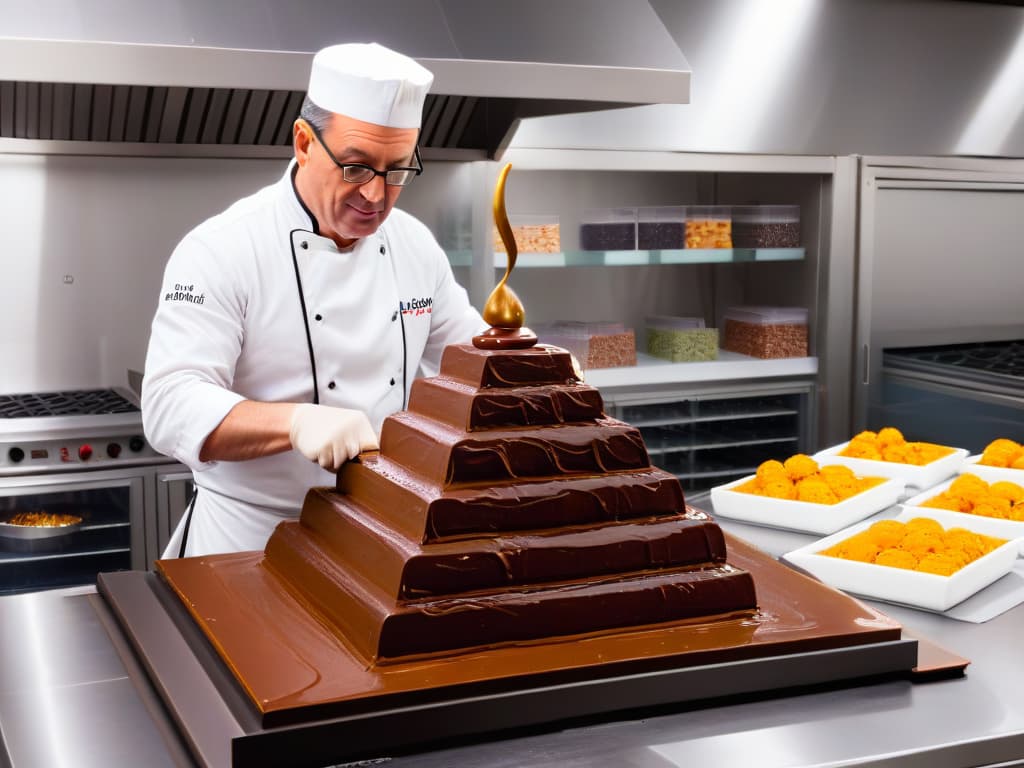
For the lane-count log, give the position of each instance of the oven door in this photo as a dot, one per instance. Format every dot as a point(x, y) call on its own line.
point(111, 535)
point(174, 489)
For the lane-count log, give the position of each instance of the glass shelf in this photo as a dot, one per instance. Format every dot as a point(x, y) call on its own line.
point(464, 258)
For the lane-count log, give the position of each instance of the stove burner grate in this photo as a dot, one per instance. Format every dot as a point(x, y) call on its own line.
point(82, 402)
point(1001, 357)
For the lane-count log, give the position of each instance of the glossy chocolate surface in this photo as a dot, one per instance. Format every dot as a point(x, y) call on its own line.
point(398, 565)
point(426, 512)
point(468, 408)
point(451, 457)
point(507, 368)
point(469, 538)
point(296, 665)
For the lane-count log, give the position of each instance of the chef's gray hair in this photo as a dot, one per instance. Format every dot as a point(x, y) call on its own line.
point(315, 115)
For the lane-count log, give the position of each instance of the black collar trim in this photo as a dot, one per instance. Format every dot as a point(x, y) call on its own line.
point(312, 218)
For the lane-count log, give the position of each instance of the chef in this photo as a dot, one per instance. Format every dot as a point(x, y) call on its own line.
point(292, 323)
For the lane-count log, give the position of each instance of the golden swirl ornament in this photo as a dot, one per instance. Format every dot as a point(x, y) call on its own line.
point(503, 310)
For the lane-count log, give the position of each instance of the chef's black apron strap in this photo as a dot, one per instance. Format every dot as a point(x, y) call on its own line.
point(305, 316)
point(188, 521)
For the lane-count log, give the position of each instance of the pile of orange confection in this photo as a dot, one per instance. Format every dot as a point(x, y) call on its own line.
point(799, 478)
point(888, 444)
point(920, 544)
point(969, 493)
point(1003, 453)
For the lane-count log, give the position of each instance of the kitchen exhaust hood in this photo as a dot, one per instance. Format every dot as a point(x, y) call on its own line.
point(234, 73)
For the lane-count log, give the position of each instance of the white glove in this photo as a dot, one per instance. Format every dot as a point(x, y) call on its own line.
point(330, 436)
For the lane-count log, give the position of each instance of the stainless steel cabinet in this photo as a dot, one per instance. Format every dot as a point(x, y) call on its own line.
point(939, 264)
point(627, 286)
point(707, 438)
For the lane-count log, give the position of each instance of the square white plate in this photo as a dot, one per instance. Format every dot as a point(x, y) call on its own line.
point(991, 474)
point(917, 476)
point(899, 585)
point(803, 515)
point(990, 526)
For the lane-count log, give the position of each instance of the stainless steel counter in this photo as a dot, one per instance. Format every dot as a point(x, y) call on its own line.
point(71, 696)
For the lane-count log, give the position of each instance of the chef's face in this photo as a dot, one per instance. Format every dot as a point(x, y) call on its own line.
point(344, 210)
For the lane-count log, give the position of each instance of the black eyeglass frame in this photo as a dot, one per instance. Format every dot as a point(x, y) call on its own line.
point(405, 170)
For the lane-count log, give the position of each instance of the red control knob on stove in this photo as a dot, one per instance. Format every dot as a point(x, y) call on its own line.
point(85, 452)
point(113, 450)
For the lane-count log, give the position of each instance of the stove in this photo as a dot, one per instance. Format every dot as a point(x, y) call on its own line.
point(965, 395)
point(72, 430)
point(70, 403)
point(992, 359)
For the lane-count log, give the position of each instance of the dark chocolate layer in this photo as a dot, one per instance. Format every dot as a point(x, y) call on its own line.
point(380, 628)
point(424, 512)
point(400, 567)
point(452, 457)
point(456, 623)
point(469, 409)
point(507, 368)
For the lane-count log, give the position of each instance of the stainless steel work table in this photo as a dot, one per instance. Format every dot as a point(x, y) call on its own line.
point(68, 698)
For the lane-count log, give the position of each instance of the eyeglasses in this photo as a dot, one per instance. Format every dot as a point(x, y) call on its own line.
point(361, 173)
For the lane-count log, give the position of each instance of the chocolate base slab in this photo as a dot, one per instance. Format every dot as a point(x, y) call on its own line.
point(293, 668)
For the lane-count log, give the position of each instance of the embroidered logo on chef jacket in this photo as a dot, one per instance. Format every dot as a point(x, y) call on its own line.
point(415, 307)
point(185, 293)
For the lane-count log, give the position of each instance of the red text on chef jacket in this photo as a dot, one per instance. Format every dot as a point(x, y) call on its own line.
point(415, 307)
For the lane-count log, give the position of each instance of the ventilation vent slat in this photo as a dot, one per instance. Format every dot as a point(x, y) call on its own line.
point(119, 112)
point(20, 110)
point(253, 116)
point(81, 112)
point(237, 104)
point(272, 117)
point(7, 109)
point(135, 114)
point(63, 100)
point(102, 99)
point(291, 111)
point(173, 110)
point(46, 110)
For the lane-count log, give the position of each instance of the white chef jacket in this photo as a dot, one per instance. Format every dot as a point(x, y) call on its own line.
point(229, 326)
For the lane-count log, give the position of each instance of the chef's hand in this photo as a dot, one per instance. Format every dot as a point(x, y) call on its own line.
point(330, 436)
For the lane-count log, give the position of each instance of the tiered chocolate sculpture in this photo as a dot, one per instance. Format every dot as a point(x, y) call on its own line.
point(503, 506)
point(506, 530)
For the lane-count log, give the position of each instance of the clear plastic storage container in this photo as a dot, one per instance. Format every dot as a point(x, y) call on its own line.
point(595, 345)
point(660, 228)
point(766, 226)
point(766, 332)
point(681, 339)
point(609, 229)
point(709, 226)
point(534, 233)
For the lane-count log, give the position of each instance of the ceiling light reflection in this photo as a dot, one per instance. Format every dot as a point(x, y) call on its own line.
point(759, 47)
point(999, 109)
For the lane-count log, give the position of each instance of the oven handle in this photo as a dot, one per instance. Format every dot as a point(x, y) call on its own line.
point(967, 389)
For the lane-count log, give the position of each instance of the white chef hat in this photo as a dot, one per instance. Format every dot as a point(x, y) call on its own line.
point(369, 82)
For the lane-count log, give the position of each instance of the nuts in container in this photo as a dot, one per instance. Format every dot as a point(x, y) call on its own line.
point(766, 226)
point(533, 233)
point(766, 332)
point(681, 339)
point(595, 345)
point(708, 226)
point(611, 229)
